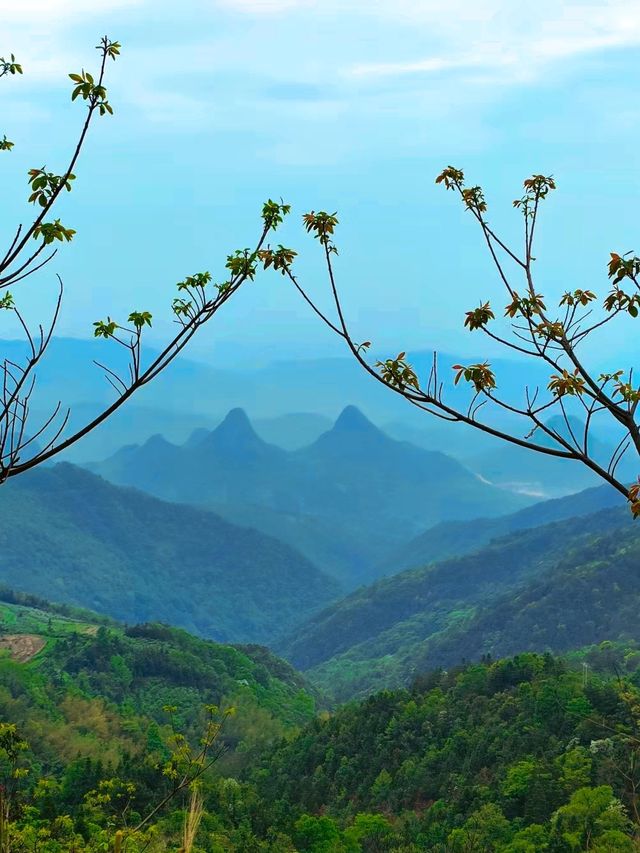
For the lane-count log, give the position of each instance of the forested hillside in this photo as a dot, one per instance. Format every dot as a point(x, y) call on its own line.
point(92, 715)
point(519, 756)
point(527, 755)
point(69, 535)
point(381, 635)
point(140, 669)
point(590, 595)
point(343, 501)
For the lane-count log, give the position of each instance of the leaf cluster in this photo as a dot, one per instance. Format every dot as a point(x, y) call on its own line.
point(322, 225)
point(567, 384)
point(479, 317)
point(479, 375)
point(396, 372)
point(280, 258)
point(273, 213)
point(45, 185)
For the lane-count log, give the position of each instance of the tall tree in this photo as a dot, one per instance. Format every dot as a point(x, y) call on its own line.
point(552, 337)
point(23, 444)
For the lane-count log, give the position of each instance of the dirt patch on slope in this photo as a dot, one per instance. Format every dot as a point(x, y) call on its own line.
point(22, 646)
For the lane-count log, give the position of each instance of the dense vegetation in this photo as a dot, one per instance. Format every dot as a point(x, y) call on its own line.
point(141, 668)
point(343, 501)
point(100, 706)
point(591, 594)
point(521, 755)
point(528, 755)
point(70, 535)
point(459, 608)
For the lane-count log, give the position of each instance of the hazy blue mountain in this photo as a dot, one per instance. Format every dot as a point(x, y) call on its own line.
point(546, 476)
point(377, 636)
point(362, 474)
point(451, 538)
point(289, 432)
point(133, 424)
point(344, 500)
point(196, 436)
point(511, 466)
point(193, 393)
point(456, 439)
point(76, 538)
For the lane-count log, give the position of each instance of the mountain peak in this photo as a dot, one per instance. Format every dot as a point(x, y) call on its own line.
point(352, 433)
point(154, 442)
point(236, 419)
point(235, 431)
point(351, 419)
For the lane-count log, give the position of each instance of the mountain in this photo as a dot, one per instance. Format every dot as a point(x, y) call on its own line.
point(343, 501)
point(515, 467)
point(590, 595)
point(451, 539)
point(173, 404)
point(193, 393)
point(132, 424)
point(379, 635)
point(70, 535)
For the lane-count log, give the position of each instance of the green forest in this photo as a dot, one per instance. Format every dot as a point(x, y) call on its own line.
point(487, 700)
point(101, 723)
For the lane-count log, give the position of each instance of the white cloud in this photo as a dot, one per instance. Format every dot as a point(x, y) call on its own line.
point(35, 13)
point(40, 32)
point(212, 64)
point(430, 65)
point(267, 7)
point(495, 35)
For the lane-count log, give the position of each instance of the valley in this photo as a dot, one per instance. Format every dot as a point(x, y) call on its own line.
point(343, 501)
point(319, 457)
point(366, 629)
point(72, 536)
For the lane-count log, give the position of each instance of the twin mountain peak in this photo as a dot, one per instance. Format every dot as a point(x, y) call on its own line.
point(236, 431)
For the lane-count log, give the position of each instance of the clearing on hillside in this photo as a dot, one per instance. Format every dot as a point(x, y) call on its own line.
point(22, 647)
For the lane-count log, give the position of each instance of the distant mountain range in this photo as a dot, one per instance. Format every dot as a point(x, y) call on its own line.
point(510, 595)
point(193, 395)
point(71, 536)
point(208, 390)
point(452, 539)
point(514, 467)
point(344, 501)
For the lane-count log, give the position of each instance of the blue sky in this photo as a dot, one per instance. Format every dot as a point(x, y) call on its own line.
point(352, 106)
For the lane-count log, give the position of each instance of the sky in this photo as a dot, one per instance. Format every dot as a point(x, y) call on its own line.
point(351, 106)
